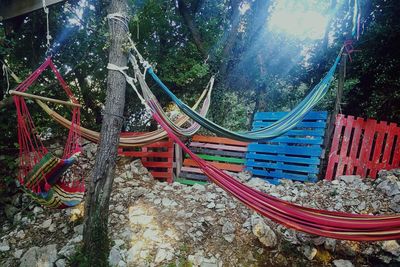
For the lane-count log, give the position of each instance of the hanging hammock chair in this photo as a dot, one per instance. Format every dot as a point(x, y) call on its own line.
point(40, 172)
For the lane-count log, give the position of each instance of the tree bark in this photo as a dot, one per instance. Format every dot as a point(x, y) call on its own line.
point(95, 236)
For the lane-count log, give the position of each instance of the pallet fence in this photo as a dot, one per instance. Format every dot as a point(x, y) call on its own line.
point(363, 147)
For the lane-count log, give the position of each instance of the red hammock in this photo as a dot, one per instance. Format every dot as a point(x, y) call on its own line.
point(39, 170)
point(332, 224)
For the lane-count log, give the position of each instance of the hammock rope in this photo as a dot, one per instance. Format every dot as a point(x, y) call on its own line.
point(39, 170)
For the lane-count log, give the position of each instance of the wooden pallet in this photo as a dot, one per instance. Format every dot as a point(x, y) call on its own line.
point(363, 147)
point(294, 155)
point(223, 153)
point(157, 157)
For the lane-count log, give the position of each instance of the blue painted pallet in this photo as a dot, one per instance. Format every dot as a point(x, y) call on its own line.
point(294, 155)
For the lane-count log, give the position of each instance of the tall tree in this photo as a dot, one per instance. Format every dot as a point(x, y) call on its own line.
point(95, 236)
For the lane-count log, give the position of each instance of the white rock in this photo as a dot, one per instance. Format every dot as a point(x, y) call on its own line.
point(40, 257)
point(61, 263)
point(264, 233)
point(4, 246)
point(115, 257)
point(18, 253)
point(343, 263)
point(37, 210)
point(79, 229)
point(161, 255)
point(392, 247)
point(211, 205)
point(46, 223)
point(134, 251)
point(309, 252)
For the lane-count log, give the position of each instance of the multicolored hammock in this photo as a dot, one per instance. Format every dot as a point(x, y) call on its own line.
point(40, 172)
point(339, 225)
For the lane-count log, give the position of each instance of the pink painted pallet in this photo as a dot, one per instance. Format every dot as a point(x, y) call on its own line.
point(223, 153)
point(363, 147)
point(158, 157)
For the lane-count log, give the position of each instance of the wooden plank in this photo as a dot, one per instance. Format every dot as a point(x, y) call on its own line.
point(290, 159)
point(287, 150)
point(287, 167)
point(317, 132)
point(13, 8)
point(312, 115)
point(345, 145)
point(178, 159)
point(223, 159)
point(199, 150)
point(217, 140)
point(140, 154)
point(295, 140)
point(192, 176)
point(276, 175)
point(191, 169)
point(396, 158)
point(161, 174)
point(389, 144)
point(189, 182)
point(334, 150)
point(223, 166)
point(216, 146)
point(156, 164)
point(303, 124)
point(367, 146)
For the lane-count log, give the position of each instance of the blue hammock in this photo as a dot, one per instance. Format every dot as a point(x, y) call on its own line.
point(276, 129)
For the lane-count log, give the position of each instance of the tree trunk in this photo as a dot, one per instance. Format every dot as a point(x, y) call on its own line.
point(95, 236)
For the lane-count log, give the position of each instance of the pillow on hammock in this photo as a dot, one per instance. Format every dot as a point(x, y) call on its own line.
point(48, 171)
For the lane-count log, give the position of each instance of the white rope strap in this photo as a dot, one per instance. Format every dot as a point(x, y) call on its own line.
point(5, 74)
point(123, 18)
point(129, 80)
point(48, 36)
point(144, 62)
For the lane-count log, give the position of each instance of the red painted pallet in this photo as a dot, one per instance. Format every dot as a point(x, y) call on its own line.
point(158, 157)
point(363, 147)
point(224, 153)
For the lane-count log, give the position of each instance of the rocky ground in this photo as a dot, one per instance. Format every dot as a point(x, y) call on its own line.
point(159, 224)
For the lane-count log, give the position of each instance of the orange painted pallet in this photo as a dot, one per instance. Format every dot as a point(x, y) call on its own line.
point(223, 153)
point(363, 147)
point(158, 157)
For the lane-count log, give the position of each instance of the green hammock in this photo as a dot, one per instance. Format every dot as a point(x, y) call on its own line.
point(275, 129)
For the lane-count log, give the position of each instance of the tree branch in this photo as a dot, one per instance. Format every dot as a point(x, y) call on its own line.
point(189, 22)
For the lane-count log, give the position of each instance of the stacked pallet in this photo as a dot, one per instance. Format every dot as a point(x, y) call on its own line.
point(294, 155)
point(223, 153)
point(157, 157)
